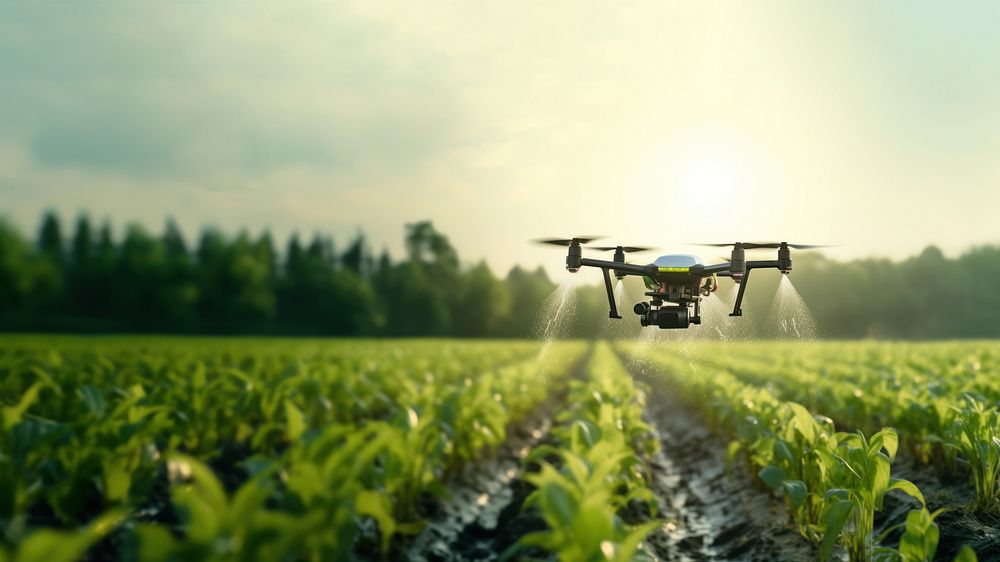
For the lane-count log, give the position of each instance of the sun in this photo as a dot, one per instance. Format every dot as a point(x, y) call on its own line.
point(709, 178)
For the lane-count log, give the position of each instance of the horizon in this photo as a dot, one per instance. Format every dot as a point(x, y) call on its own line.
point(553, 271)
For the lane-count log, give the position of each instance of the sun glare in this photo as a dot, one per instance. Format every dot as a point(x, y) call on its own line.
point(709, 176)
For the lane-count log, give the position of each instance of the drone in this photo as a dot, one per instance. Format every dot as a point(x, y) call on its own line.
point(676, 282)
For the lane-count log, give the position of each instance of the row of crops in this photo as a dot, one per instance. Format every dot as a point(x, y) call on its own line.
point(157, 449)
point(940, 397)
point(251, 450)
point(772, 399)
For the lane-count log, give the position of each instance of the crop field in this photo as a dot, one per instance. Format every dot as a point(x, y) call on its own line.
point(170, 449)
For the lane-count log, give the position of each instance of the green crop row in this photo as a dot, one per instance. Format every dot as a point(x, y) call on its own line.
point(595, 467)
point(361, 379)
point(942, 397)
point(833, 482)
point(206, 454)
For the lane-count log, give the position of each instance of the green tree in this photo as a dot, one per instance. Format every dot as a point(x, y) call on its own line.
point(106, 266)
point(417, 306)
point(82, 272)
point(481, 304)
point(427, 246)
point(15, 274)
point(48, 285)
point(235, 288)
point(353, 258)
point(178, 290)
point(50, 239)
point(248, 275)
point(528, 291)
point(140, 274)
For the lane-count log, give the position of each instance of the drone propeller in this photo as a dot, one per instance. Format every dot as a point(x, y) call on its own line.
point(628, 249)
point(772, 245)
point(567, 241)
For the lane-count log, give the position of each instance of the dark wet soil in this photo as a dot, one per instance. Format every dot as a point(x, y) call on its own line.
point(708, 514)
point(482, 518)
point(958, 526)
point(712, 515)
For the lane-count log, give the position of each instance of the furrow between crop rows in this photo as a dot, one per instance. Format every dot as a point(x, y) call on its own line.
point(932, 422)
point(832, 483)
point(139, 447)
point(480, 515)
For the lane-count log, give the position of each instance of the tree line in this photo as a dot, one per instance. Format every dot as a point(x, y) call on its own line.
point(90, 281)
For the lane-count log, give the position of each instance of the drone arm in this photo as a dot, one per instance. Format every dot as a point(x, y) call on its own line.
point(714, 269)
point(619, 267)
point(762, 264)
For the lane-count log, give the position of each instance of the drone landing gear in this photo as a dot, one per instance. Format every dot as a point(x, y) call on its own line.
point(611, 295)
point(737, 310)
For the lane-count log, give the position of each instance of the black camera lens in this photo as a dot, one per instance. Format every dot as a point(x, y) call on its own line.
point(673, 317)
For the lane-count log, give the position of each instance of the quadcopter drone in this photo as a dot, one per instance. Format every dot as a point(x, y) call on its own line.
point(675, 282)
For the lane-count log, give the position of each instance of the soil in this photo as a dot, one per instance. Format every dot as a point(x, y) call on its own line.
point(711, 514)
point(707, 513)
point(482, 518)
point(683, 435)
point(958, 526)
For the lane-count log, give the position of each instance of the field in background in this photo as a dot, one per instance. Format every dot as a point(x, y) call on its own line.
point(141, 448)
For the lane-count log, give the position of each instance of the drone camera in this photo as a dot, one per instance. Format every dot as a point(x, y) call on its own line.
point(664, 318)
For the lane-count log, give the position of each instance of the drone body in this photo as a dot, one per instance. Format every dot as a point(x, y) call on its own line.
point(675, 283)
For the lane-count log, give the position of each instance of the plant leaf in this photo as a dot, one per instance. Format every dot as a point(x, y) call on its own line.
point(907, 487)
point(796, 490)
point(296, 421)
point(772, 476)
point(834, 517)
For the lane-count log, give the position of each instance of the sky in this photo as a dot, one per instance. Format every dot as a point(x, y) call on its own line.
point(873, 126)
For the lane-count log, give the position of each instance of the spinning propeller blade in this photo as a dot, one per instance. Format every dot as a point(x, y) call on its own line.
point(772, 245)
point(628, 249)
point(567, 241)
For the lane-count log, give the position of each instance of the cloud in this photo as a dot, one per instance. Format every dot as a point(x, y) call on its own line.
point(506, 121)
point(184, 90)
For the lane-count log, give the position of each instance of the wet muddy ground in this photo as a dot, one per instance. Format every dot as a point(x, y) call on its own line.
point(708, 513)
point(958, 526)
point(482, 517)
point(712, 515)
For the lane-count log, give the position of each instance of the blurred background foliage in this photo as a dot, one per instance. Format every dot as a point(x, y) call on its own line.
point(90, 281)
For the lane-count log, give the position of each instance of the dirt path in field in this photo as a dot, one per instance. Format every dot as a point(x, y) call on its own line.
point(482, 517)
point(710, 516)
